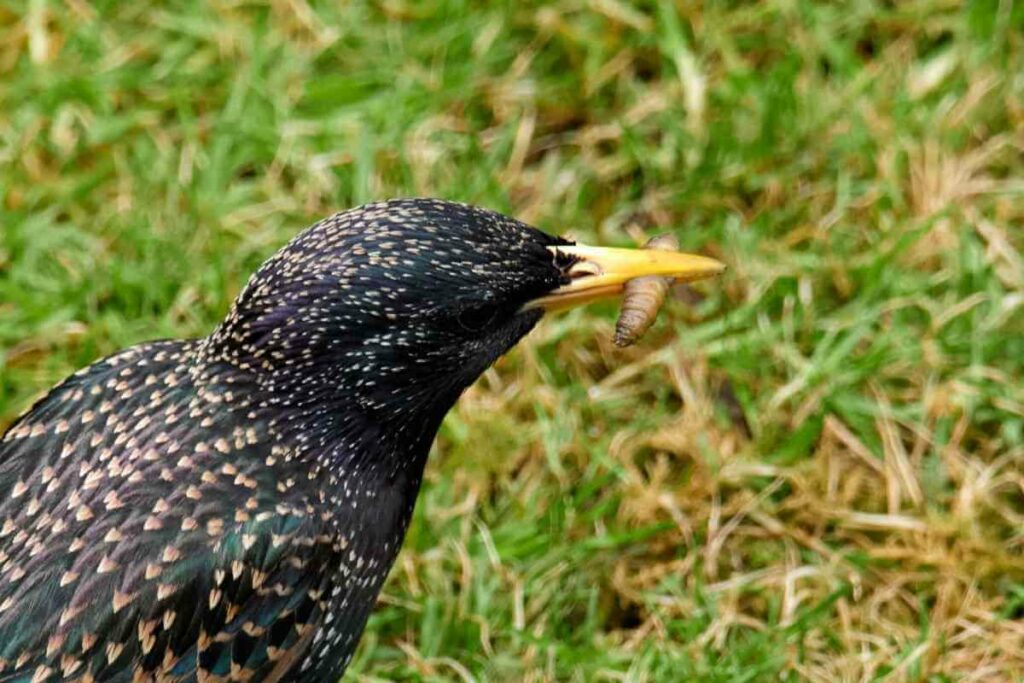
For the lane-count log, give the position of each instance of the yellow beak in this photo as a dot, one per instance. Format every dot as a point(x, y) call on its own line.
point(602, 272)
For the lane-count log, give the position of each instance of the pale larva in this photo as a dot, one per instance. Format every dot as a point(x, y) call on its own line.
point(642, 298)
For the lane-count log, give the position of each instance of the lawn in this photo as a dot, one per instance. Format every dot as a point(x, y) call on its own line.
point(810, 469)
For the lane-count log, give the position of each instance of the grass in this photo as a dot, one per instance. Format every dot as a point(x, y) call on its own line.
point(809, 470)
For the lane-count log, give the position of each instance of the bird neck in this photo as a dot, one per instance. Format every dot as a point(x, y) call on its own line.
point(331, 419)
point(345, 437)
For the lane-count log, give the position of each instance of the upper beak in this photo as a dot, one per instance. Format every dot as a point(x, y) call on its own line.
point(601, 272)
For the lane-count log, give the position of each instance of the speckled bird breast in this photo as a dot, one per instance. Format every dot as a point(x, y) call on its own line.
point(131, 550)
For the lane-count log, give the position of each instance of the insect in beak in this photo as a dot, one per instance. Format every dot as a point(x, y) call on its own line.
point(602, 272)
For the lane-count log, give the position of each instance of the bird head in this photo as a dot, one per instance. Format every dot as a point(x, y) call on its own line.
point(394, 308)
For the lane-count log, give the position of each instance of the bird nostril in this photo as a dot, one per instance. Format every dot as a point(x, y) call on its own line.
point(563, 261)
point(584, 269)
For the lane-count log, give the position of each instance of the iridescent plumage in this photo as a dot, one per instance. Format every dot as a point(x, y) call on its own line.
point(228, 508)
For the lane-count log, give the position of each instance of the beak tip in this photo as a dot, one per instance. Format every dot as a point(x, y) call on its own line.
point(714, 267)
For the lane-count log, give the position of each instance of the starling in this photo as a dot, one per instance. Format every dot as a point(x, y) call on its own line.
point(227, 508)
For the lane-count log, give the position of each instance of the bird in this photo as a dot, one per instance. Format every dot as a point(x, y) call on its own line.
point(227, 508)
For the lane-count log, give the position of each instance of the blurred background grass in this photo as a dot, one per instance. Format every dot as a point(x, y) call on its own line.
point(810, 469)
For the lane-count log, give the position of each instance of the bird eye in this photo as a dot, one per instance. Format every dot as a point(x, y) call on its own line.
point(476, 318)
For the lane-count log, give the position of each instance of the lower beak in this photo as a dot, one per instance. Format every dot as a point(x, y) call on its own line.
point(600, 273)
